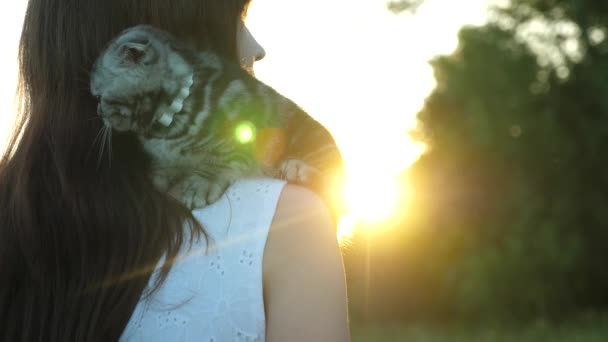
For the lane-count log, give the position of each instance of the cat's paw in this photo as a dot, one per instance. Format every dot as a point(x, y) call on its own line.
point(198, 192)
point(297, 171)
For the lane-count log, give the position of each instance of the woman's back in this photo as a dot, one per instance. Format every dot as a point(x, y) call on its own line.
point(216, 294)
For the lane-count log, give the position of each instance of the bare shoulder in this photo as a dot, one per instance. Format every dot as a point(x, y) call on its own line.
point(304, 283)
point(306, 206)
point(302, 224)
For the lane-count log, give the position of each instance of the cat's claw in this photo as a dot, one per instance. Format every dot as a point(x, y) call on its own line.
point(297, 171)
point(197, 192)
point(215, 191)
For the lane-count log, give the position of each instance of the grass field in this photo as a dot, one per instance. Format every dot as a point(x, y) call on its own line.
point(587, 330)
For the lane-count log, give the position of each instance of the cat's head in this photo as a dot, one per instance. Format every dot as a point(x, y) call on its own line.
point(137, 77)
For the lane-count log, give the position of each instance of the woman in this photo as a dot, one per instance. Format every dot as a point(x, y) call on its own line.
point(81, 239)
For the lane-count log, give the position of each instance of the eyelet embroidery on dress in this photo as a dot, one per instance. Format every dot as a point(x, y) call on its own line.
point(217, 265)
point(246, 258)
point(241, 336)
point(165, 319)
point(215, 296)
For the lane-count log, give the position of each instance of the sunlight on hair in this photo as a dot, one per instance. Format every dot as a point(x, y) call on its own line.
point(11, 15)
point(363, 72)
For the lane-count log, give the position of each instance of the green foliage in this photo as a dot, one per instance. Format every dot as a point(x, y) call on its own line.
point(592, 329)
point(512, 199)
point(404, 5)
point(526, 143)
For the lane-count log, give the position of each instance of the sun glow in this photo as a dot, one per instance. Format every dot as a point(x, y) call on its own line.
point(363, 72)
point(372, 201)
point(358, 68)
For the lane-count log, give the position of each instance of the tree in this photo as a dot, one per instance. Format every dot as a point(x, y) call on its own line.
point(518, 143)
point(405, 5)
point(512, 195)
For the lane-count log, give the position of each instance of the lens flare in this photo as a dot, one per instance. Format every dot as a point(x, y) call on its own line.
point(245, 132)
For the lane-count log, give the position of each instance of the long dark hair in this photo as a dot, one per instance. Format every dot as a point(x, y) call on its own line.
point(79, 237)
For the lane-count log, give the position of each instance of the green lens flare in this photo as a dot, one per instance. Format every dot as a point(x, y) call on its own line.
point(245, 132)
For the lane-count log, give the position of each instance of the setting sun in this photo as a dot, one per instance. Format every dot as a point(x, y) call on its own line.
point(372, 201)
point(363, 72)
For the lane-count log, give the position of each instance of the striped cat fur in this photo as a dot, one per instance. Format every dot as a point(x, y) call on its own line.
point(205, 122)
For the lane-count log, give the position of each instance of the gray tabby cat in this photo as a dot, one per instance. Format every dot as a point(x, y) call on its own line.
point(206, 122)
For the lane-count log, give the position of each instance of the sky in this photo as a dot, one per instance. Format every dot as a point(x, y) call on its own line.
point(363, 72)
point(355, 66)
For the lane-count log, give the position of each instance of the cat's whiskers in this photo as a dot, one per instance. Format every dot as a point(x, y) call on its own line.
point(110, 147)
point(105, 140)
point(96, 140)
point(103, 145)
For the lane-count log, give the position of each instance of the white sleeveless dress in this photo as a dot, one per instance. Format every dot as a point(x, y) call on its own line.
point(216, 295)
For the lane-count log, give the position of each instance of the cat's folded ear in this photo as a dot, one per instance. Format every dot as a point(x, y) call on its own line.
point(137, 53)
